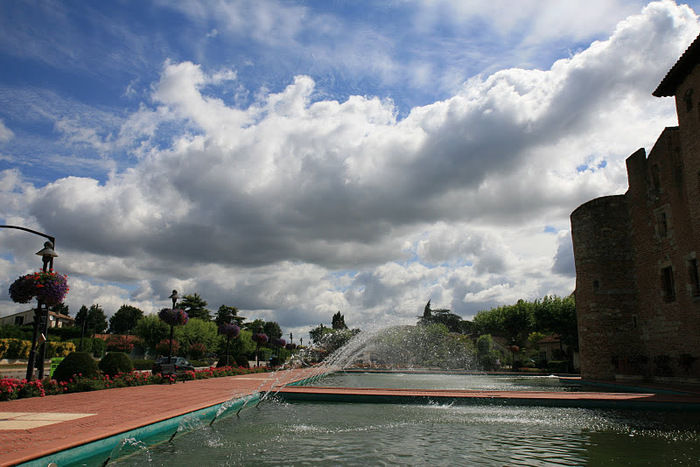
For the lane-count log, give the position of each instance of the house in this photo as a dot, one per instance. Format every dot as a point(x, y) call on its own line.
point(636, 254)
point(56, 320)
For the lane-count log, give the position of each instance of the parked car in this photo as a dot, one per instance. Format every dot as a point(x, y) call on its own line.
point(181, 365)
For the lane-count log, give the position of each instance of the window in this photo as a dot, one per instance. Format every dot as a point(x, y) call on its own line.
point(596, 286)
point(694, 276)
point(19, 320)
point(662, 224)
point(688, 99)
point(667, 284)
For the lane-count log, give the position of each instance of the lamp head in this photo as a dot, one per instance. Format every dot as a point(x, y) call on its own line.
point(47, 252)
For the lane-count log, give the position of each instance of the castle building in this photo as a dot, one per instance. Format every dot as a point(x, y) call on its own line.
point(636, 254)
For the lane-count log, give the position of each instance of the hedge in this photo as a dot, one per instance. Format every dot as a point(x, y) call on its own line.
point(19, 349)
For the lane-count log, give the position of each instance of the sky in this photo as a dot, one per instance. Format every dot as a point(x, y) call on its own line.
point(298, 158)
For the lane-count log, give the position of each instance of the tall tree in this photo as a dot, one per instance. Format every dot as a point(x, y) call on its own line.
point(338, 321)
point(228, 315)
point(92, 318)
point(125, 319)
point(195, 306)
point(273, 330)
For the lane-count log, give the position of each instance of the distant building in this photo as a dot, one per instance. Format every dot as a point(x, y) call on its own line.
point(637, 276)
point(56, 320)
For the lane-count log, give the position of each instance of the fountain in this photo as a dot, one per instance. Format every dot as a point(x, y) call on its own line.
point(279, 432)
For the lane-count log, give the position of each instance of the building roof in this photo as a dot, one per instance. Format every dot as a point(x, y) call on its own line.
point(679, 71)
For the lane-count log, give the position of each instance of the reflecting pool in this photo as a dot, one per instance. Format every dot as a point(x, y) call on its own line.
point(279, 433)
point(305, 433)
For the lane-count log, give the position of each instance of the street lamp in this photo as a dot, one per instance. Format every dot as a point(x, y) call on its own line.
point(40, 319)
point(174, 297)
point(47, 255)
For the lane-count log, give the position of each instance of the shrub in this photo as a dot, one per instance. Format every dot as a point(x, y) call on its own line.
point(59, 349)
point(18, 348)
point(76, 363)
point(116, 362)
point(164, 345)
point(143, 364)
point(197, 351)
point(242, 360)
point(118, 343)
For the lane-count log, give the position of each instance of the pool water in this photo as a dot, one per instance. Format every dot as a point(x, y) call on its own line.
point(278, 433)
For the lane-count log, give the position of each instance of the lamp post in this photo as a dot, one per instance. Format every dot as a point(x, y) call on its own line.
point(47, 255)
point(41, 319)
point(174, 297)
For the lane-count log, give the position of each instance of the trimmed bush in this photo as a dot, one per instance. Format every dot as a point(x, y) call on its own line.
point(242, 360)
point(116, 362)
point(143, 364)
point(76, 363)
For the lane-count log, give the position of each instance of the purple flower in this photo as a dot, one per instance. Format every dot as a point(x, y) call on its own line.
point(260, 338)
point(23, 289)
point(173, 316)
point(48, 286)
point(229, 330)
point(279, 342)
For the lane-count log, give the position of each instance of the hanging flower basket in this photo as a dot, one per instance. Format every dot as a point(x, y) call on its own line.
point(173, 316)
point(290, 346)
point(279, 342)
point(48, 286)
point(229, 330)
point(260, 338)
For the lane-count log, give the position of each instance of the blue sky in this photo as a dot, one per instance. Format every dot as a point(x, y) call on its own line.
point(299, 158)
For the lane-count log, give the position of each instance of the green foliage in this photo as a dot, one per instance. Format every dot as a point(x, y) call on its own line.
point(228, 315)
point(96, 347)
point(152, 330)
point(9, 331)
point(197, 331)
point(195, 306)
point(116, 362)
point(443, 316)
point(196, 351)
point(118, 343)
point(76, 363)
point(242, 345)
point(487, 358)
point(125, 319)
point(272, 329)
point(338, 321)
point(93, 318)
point(142, 363)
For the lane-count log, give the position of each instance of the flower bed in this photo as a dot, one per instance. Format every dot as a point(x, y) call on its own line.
point(13, 388)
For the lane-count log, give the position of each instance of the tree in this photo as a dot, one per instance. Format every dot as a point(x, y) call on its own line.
point(338, 321)
point(125, 319)
point(272, 329)
point(197, 331)
point(92, 318)
point(61, 308)
point(453, 322)
point(152, 330)
point(195, 306)
point(228, 315)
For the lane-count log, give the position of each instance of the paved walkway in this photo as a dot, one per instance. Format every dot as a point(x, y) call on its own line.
point(38, 426)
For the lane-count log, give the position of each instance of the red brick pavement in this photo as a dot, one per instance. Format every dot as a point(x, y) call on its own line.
point(119, 410)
